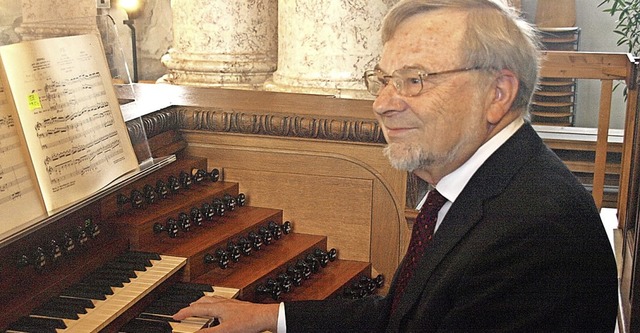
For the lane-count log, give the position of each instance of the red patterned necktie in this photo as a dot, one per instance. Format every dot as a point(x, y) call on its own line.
point(420, 236)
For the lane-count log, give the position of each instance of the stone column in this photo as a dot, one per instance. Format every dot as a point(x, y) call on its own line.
point(54, 18)
point(326, 45)
point(222, 43)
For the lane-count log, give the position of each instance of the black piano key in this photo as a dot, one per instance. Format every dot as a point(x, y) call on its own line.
point(125, 274)
point(61, 313)
point(64, 303)
point(139, 325)
point(125, 265)
point(146, 255)
point(133, 260)
point(180, 298)
point(193, 286)
point(104, 280)
point(165, 307)
point(86, 303)
point(35, 324)
point(84, 293)
point(30, 329)
point(94, 286)
point(190, 295)
point(156, 316)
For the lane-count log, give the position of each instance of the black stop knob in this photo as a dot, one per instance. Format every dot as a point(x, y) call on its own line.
point(267, 236)
point(304, 268)
point(276, 230)
point(241, 199)
point(295, 274)
point(122, 200)
point(161, 189)
point(313, 262)
point(150, 195)
point(220, 257)
point(234, 251)
point(196, 216)
point(286, 227)
point(246, 247)
point(285, 282)
point(80, 235)
point(171, 228)
point(214, 175)
point(218, 206)
point(92, 228)
point(173, 184)
point(256, 240)
point(271, 288)
point(184, 222)
point(54, 250)
point(184, 179)
point(198, 175)
point(207, 211)
point(136, 199)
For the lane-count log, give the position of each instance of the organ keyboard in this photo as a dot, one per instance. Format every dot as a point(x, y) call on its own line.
point(105, 311)
point(204, 231)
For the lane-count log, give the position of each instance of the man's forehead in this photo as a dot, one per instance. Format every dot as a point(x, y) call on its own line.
point(426, 40)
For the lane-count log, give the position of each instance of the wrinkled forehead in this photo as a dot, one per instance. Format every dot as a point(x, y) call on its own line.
point(432, 40)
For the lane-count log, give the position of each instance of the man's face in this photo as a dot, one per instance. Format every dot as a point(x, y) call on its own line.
point(443, 126)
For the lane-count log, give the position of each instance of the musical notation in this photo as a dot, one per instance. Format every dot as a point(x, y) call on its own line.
point(64, 104)
point(14, 183)
point(17, 187)
point(75, 129)
point(7, 121)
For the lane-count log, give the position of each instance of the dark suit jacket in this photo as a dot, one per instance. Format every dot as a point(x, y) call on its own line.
point(522, 249)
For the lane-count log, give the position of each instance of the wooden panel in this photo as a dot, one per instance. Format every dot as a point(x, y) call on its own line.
point(348, 192)
point(586, 65)
point(556, 13)
point(337, 207)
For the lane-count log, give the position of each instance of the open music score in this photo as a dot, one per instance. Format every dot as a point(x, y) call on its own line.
point(62, 134)
point(17, 186)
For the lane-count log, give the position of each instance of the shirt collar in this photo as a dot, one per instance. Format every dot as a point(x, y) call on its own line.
point(451, 185)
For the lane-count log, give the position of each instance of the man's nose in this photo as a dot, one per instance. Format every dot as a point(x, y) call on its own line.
point(387, 100)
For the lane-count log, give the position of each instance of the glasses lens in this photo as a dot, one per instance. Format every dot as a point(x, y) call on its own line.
point(374, 82)
point(408, 81)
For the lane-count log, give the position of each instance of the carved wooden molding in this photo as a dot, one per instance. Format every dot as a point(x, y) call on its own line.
point(213, 119)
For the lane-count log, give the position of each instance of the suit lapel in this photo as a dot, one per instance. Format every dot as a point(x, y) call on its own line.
point(490, 179)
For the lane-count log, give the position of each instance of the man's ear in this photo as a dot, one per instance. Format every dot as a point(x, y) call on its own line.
point(504, 93)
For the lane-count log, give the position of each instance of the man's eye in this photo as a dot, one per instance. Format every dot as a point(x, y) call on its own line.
point(414, 81)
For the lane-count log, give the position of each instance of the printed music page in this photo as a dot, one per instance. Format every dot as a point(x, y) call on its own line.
point(69, 116)
point(19, 195)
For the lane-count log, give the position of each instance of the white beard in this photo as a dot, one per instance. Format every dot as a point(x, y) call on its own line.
point(407, 157)
point(411, 156)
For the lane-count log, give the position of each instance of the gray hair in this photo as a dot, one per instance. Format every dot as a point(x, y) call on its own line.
point(496, 38)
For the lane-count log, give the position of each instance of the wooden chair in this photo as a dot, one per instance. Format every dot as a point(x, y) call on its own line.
point(607, 68)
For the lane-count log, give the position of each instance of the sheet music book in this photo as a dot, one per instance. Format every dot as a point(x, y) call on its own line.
point(62, 134)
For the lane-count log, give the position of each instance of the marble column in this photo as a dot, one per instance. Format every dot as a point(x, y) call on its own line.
point(222, 43)
point(53, 18)
point(326, 45)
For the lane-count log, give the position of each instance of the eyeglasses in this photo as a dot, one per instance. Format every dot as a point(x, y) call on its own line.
point(408, 82)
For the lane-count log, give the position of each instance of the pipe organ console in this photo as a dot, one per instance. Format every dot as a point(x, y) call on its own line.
point(128, 260)
point(196, 223)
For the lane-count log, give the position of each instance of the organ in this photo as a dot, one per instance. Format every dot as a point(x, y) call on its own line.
point(189, 224)
point(306, 174)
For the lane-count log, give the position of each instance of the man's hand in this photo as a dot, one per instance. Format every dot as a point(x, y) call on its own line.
point(233, 315)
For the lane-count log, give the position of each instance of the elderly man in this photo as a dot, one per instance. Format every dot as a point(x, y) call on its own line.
point(508, 240)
